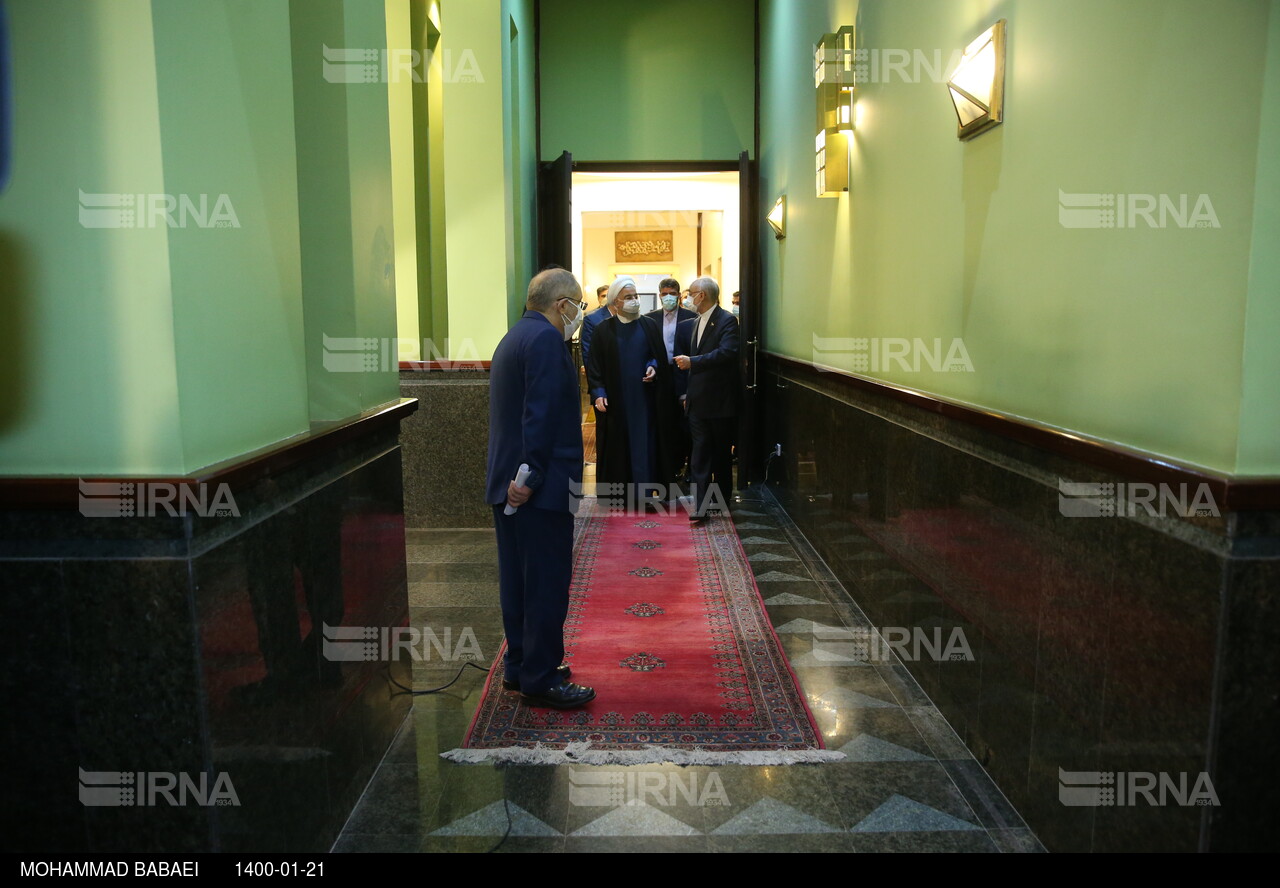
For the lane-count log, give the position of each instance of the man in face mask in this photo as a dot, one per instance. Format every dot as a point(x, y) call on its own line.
point(707, 353)
point(670, 315)
point(633, 393)
point(534, 421)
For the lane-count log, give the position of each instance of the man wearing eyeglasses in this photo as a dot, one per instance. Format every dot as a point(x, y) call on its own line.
point(534, 421)
point(707, 350)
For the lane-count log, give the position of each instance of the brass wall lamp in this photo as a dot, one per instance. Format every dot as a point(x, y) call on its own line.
point(777, 218)
point(977, 87)
point(834, 82)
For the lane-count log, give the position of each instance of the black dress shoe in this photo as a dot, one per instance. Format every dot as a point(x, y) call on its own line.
point(562, 671)
point(565, 695)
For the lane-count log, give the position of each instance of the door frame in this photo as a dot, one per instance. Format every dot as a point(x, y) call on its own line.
point(751, 303)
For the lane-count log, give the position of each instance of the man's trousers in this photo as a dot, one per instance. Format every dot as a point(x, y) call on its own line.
point(711, 463)
point(535, 564)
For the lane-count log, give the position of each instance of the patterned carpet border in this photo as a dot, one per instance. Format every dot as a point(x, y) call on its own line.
point(766, 722)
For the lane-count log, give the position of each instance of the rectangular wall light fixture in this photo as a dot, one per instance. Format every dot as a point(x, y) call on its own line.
point(834, 82)
point(977, 87)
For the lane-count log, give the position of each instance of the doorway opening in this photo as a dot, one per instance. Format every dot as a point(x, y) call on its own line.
point(651, 226)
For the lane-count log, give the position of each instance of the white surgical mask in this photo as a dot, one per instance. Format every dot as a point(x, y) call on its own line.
point(631, 306)
point(669, 301)
point(571, 327)
point(688, 303)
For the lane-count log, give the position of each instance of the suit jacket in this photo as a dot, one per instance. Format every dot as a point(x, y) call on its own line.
point(589, 324)
point(533, 416)
point(712, 381)
point(682, 314)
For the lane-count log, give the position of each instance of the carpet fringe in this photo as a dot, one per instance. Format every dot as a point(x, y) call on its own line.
point(583, 754)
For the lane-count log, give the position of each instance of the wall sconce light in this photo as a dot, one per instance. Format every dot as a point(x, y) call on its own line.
point(777, 218)
point(834, 81)
point(977, 87)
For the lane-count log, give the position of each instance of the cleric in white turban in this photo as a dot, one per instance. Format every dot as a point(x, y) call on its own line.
point(632, 391)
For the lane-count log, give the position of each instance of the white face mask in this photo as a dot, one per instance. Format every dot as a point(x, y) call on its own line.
point(669, 301)
point(571, 327)
point(631, 306)
point(688, 303)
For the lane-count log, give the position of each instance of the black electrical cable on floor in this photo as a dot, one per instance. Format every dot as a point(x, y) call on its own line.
point(414, 693)
point(506, 805)
point(767, 463)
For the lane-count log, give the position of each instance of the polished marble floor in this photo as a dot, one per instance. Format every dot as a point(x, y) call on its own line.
point(907, 784)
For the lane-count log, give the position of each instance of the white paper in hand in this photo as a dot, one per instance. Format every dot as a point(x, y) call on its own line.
point(521, 476)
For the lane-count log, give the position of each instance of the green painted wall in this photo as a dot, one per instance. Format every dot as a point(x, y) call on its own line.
point(159, 349)
point(1130, 335)
point(344, 207)
point(89, 379)
point(520, 123)
point(659, 80)
point(226, 125)
point(400, 91)
point(434, 254)
point(483, 276)
point(1259, 452)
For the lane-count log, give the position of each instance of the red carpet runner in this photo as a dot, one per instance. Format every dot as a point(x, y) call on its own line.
point(666, 623)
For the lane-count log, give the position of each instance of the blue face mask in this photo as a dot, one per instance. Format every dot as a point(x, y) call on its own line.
point(669, 301)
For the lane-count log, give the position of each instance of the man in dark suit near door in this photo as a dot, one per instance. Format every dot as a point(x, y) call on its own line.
point(593, 319)
point(669, 317)
point(707, 350)
point(534, 421)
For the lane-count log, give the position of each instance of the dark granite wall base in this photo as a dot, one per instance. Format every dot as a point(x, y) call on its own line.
point(194, 647)
point(1108, 644)
point(446, 445)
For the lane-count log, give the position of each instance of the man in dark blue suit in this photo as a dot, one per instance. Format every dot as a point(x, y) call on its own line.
point(669, 317)
point(592, 320)
point(534, 421)
point(707, 348)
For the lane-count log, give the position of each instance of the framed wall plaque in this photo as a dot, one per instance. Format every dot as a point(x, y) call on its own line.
point(643, 246)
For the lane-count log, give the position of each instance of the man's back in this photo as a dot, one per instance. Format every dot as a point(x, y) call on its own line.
point(589, 324)
point(533, 415)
